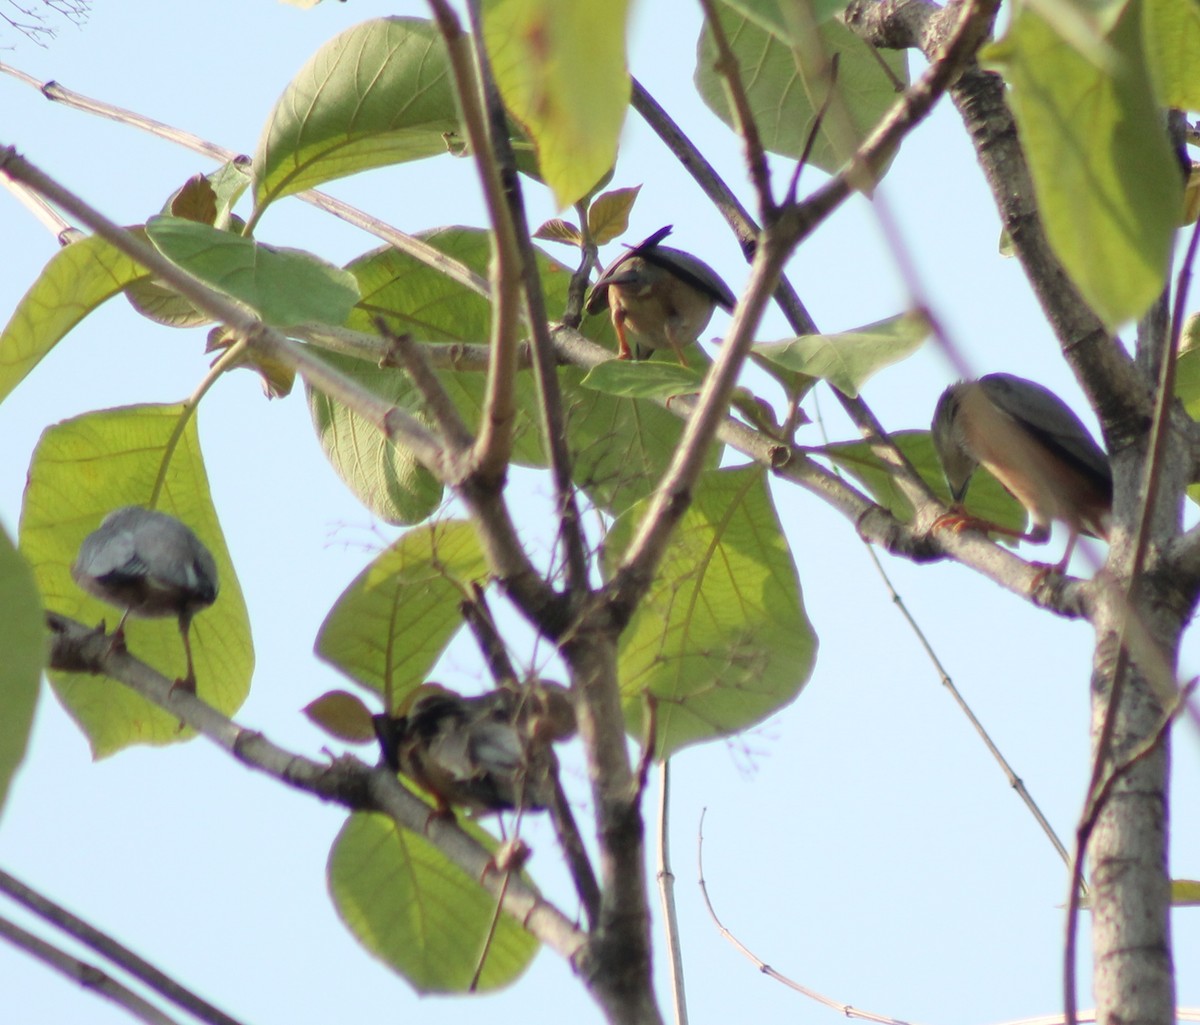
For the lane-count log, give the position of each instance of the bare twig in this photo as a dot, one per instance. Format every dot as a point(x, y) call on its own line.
point(88, 976)
point(550, 402)
point(493, 444)
point(847, 1010)
point(110, 949)
point(666, 894)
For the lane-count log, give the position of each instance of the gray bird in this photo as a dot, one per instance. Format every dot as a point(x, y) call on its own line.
point(1031, 442)
point(150, 565)
point(660, 296)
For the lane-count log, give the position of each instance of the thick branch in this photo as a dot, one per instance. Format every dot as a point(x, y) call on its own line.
point(347, 781)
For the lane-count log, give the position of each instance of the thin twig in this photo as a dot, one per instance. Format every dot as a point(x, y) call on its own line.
point(407, 354)
point(743, 117)
point(415, 247)
point(88, 976)
point(494, 433)
point(550, 400)
point(111, 950)
point(666, 894)
point(847, 1010)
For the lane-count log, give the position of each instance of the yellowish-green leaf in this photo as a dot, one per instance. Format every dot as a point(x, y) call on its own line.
point(420, 914)
point(342, 715)
point(84, 468)
point(77, 279)
point(1172, 33)
point(986, 497)
point(389, 627)
point(785, 71)
point(776, 16)
point(285, 286)
point(722, 640)
point(1109, 187)
point(387, 478)
point(643, 379)
point(847, 360)
point(558, 230)
point(23, 641)
point(1185, 892)
point(380, 93)
point(561, 70)
point(608, 216)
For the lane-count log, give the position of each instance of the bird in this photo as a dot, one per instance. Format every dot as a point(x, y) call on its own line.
point(484, 754)
point(660, 296)
point(1031, 441)
point(151, 565)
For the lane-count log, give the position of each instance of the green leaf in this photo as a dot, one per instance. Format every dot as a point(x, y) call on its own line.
point(84, 468)
point(621, 446)
point(775, 17)
point(847, 360)
point(558, 230)
point(77, 279)
point(786, 84)
point(608, 216)
point(420, 914)
point(721, 640)
point(643, 379)
point(389, 627)
point(1185, 892)
point(986, 497)
point(1108, 186)
point(387, 478)
point(560, 68)
point(1172, 34)
point(23, 641)
point(380, 93)
point(285, 286)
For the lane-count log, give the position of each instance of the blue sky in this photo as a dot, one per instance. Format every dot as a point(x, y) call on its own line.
point(862, 841)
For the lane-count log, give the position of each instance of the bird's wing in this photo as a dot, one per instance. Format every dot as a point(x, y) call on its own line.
point(692, 270)
point(1052, 420)
point(598, 297)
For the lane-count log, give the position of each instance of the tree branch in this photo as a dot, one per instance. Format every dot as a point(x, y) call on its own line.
point(110, 949)
point(347, 781)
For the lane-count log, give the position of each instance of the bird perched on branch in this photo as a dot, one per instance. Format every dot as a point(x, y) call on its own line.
point(487, 753)
point(1031, 442)
point(151, 565)
point(660, 296)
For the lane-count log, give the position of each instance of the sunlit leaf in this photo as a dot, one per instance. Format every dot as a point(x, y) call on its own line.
point(848, 359)
point(1172, 33)
point(387, 478)
point(378, 94)
point(722, 639)
point(558, 230)
point(608, 216)
point(23, 641)
point(389, 627)
point(986, 497)
point(420, 914)
point(84, 468)
point(561, 70)
point(1109, 188)
point(285, 286)
point(643, 379)
point(77, 279)
point(787, 83)
point(342, 715)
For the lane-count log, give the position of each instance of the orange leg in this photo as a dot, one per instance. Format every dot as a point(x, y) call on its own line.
point(618, 322)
